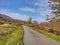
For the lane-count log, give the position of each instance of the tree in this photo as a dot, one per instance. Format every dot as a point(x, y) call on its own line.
point(55, 7)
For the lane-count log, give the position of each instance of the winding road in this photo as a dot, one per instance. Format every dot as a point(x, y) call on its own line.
point(32, 37)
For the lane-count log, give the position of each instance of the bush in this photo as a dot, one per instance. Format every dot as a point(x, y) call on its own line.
point(51, 30)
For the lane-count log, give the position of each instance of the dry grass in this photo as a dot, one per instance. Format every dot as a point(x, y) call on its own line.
point(13, 38)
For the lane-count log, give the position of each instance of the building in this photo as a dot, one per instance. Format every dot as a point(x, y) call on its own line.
point(30, 20)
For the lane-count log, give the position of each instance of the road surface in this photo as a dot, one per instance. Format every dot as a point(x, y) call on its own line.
point(32, 37)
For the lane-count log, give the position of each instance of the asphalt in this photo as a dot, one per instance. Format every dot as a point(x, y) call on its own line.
point(32, 37)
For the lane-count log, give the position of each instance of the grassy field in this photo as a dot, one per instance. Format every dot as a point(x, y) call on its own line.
point(13, 38)
point(50, 35)
point(5, 28)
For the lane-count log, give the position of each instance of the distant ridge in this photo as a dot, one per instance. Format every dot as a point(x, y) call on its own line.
point(7, 19)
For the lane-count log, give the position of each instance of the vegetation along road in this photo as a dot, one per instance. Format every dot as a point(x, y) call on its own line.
point(32, 37)
point(11, 35)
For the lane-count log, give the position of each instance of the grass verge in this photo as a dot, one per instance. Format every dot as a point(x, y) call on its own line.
point(5, 28)
point(14, 38)
point(50, 35)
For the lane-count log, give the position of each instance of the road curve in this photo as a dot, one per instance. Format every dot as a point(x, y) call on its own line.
point(32, 37)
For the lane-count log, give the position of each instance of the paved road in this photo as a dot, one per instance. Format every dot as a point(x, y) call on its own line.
point(32, 37)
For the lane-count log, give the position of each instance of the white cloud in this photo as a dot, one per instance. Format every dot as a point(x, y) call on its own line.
point(55, 3)
point(46, 12)
point(41, 9)
point(37, 4)
point(40, 19)
point(27, 9)
point(20, 16)
point(41, 3)
point(13, 14)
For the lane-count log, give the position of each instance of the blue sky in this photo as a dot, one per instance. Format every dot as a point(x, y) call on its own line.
point(23, 9)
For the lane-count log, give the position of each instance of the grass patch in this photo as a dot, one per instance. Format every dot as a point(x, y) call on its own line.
point(5, 28)
point(14, 38)
point(52, 36)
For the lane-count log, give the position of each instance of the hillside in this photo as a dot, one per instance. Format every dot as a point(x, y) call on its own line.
point(11, 31)
point(6, 19)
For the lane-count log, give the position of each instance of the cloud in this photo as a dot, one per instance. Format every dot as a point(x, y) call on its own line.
point(46, 12)
point(37, 4)
point(13, 14)
point(41, 2)
point(28, 9)
point(54, 2)
point(40, 8)
point(40, 19)
point(43, 7)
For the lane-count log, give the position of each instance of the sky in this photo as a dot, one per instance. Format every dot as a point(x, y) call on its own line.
point(23, 9)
